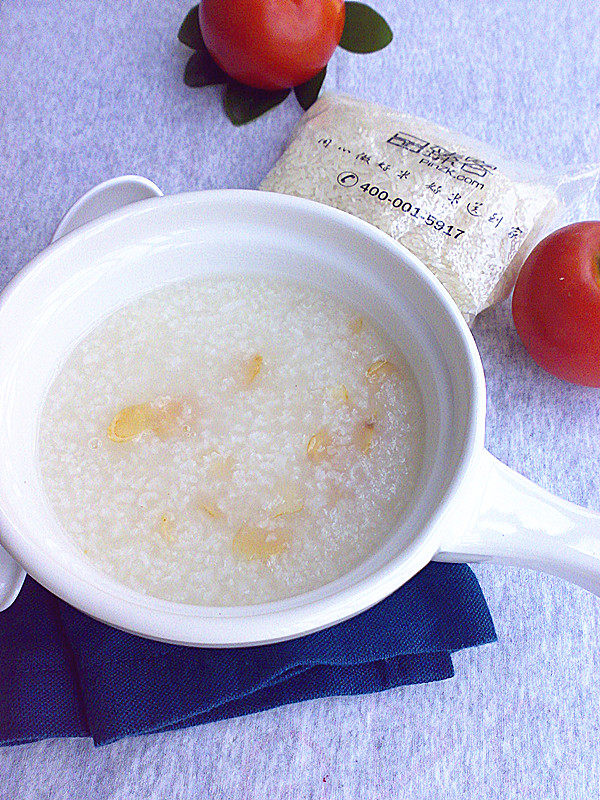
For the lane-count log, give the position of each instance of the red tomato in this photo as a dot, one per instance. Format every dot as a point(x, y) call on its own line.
point(272, 44)
point(556, 303)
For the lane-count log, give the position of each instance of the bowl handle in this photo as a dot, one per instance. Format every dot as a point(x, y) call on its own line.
point(519, 523)
point(107, 196)
point(12, 576)
point(102, 199)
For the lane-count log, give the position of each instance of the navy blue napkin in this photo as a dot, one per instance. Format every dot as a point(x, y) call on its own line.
point(64, 674)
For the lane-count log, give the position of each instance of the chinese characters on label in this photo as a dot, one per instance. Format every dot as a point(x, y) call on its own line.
point(435, 154)
point(468, 165)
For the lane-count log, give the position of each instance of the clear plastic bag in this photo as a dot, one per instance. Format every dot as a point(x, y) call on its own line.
point(471, 216)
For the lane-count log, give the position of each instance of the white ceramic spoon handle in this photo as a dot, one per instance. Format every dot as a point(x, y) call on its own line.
point(522, 524)
point(102, 199)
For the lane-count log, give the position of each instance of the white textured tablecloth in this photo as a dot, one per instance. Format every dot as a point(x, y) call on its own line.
point(93, 90)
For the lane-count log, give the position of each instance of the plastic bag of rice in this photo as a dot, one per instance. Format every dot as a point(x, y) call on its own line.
point(471, 217)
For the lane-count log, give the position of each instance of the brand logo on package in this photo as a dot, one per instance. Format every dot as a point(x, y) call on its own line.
point(460, 167)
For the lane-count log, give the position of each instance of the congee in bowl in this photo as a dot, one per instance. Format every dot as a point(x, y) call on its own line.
point(231, 441)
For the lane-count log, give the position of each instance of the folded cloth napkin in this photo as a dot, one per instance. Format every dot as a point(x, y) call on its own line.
point(65, 674)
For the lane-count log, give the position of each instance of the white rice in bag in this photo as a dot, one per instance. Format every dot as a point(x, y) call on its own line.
point(471, 218)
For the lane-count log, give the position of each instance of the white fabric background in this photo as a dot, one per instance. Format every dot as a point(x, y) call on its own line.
point(93, 90)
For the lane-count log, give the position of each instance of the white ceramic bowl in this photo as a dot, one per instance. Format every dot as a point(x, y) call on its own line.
point(76, 282)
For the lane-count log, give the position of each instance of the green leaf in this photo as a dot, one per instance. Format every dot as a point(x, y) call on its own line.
point(202, 70)
point(243, 104)
point(365, 31)
point(307, 93)
point(189, 33)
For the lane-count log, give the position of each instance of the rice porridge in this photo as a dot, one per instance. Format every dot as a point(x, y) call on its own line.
point(230, 441)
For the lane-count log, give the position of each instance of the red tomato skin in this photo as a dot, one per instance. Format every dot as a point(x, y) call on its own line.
point(556, 303)
point(272, 44)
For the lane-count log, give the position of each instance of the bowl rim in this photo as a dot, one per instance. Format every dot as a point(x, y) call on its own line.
point(177, 624)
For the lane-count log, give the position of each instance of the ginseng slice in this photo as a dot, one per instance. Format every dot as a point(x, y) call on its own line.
point(260, 543)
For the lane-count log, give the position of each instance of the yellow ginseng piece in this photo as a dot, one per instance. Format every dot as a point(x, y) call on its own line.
point(379, 370)
point(253, 368)
point(339, 394)
point(292, 503)
point(355, 324)
point(130, 422)
point(165, 420)
point(317, 447)
point(255, 542)
point(220, 466)
point(334, 494)
point(209, 506)
point(363, 434)
point(164, 417)
point(166, 523)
